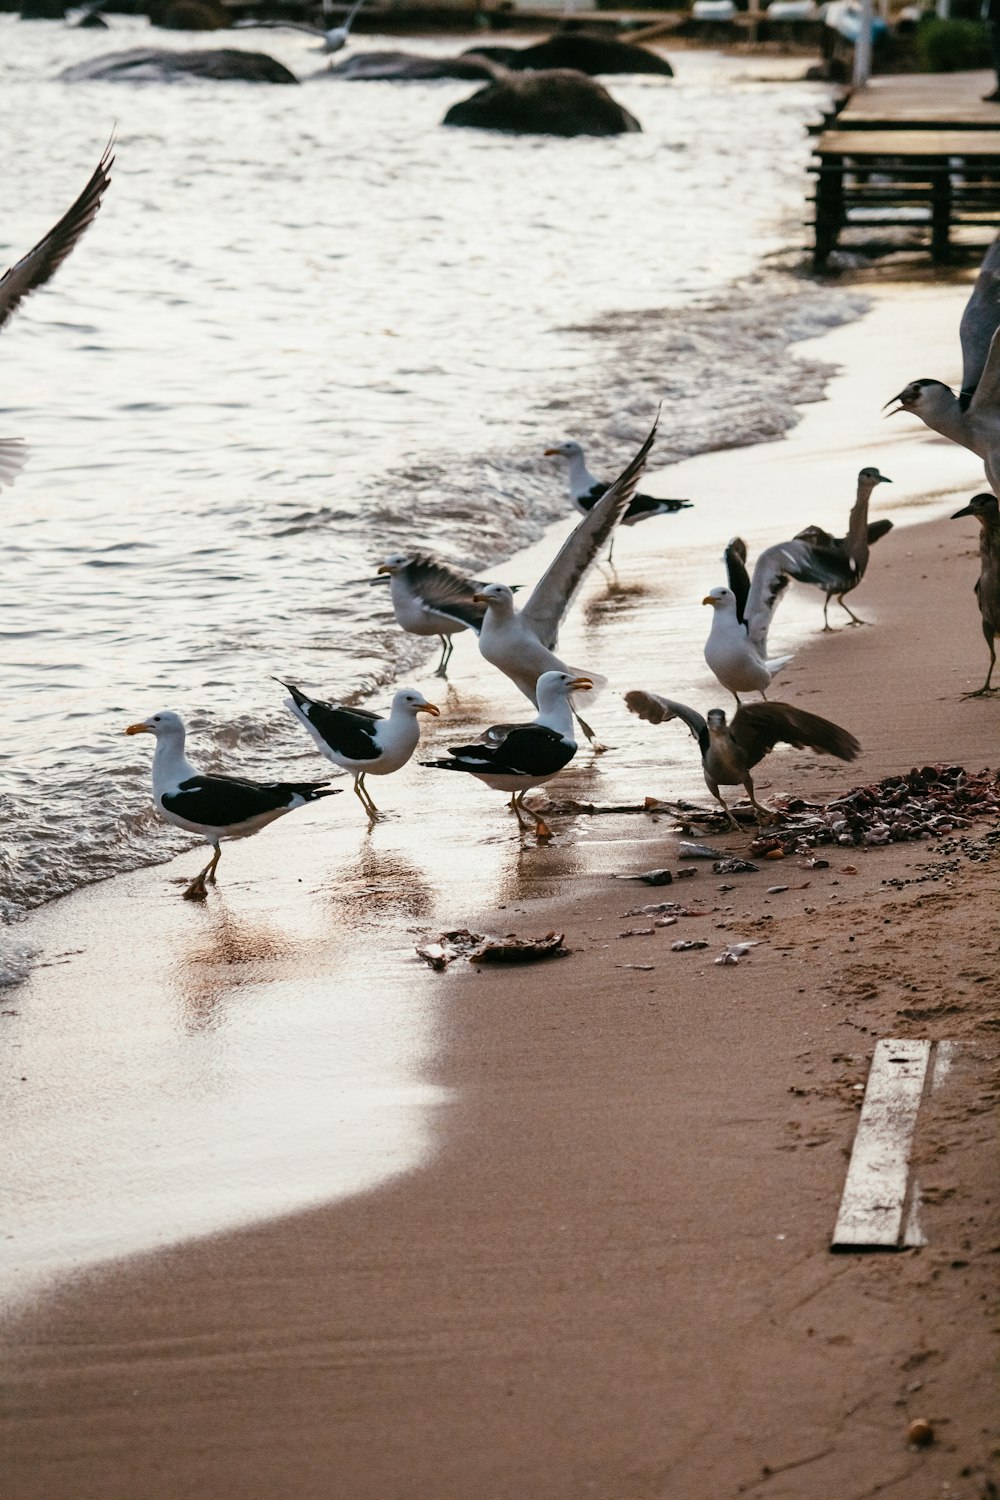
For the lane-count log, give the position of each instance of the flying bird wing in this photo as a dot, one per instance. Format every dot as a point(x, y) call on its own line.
point(770, 580)
point(758, 727)
point(735, 558)
point(987, 393)
point(34, 269)
point(553, 594)
point(826, 567)
point(980, 321)
point(444, 591)
point(657, 710)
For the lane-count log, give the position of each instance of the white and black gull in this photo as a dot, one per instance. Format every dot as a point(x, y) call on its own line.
point(834, 564)
point(523, 756)
point(359, 741)
point(736, 649)
point(729, 752)
point(521, 643)
point(430, 597)
point(216, 807)
point(34, 270)
point(585, 491)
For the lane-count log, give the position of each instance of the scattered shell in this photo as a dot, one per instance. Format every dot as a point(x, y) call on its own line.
point(776, 890)
point(665, 922)
point(727, 958)
point(652, 909)
point(734, 866)
point(645, 967)
point(651, 877)
point(735, 952)
point(685, 872)
point(684, 945)
point(481, 949)
point(920, 1432)
point(637, 931)
point(772, 853)
point(695, 851)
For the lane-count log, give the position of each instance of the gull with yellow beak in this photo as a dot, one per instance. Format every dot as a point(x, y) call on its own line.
point(521, 756)
point(360, 741)
point(737, 656)
point(216, 807)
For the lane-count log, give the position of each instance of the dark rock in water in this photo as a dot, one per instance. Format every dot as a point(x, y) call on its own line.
point(587, 52)
point(189, 15)
point(159, 65)
point(407, 66)
point(43, 10)
point(91, 21)
point(558, 102)
point(505, 56)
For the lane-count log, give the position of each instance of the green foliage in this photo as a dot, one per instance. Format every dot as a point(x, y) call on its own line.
point(951, 46)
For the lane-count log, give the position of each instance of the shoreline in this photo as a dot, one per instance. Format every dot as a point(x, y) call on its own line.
point(544, 1294)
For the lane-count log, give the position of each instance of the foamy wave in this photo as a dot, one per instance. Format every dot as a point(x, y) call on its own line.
point(16, 959)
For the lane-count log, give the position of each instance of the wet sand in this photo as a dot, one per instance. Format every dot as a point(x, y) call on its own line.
point(592, 1256)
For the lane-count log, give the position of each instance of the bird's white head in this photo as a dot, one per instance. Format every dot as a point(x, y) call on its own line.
point(395, 563)
point(163, 724)
point(720, 598)
point(716, 720)
point(565, 450)
point(554, 687)
point(871, 476)
point(409, 701)
point(925, 398)
point(495, 596)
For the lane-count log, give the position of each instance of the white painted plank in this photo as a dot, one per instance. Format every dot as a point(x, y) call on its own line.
point(871, 1210)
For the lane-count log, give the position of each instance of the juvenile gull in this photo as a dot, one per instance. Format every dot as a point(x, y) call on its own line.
point(360, 741)
point(34, 270)
point(987, 512)
point(429, 597)
point(729, 752)
point(523, 756)
point(585, 491)
point(834, 564)
point(217, 807)
point(522, 643)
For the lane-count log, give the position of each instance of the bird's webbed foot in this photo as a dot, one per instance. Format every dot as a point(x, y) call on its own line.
point(543, 833)
point(983, 692)
point(197, 890)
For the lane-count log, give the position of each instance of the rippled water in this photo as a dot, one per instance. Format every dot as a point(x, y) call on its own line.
point(310, 326)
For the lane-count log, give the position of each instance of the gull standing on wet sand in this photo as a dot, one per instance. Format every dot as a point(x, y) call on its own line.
point(421, 588)
point(585, 491)
point(34, 269)
point(217, 807)
point(729, 752)
point(521, 644)
point(524, 755)
point(834, 564)
point(360, 741)
point(736, 649)
point(987, 512)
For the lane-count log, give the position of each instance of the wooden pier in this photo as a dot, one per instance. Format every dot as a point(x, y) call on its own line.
point(920, 151)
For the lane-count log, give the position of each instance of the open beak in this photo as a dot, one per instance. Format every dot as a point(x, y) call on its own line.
point(965, 511)
point(581, 685)
point(429, 708)
point(895, 409)
point(480, 599)
point(138, 729)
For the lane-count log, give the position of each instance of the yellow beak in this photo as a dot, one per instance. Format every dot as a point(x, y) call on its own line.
point(429, 708)
point(480, 599)
point(138, 729)
point(708, 600)
point(385, 569)
point(552, 453)
point(581, 685)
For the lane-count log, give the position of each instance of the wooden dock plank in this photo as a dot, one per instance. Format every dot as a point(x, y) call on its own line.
point(922, 101)
point(871, 1210)
point(922, 143)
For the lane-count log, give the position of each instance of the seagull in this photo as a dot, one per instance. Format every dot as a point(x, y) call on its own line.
point(522, 756)
point(217, 807)
point(987, 512)
point(834, 564)
point(333, 38)
point(522, 644)
point(420, 588)
point(729, 752)
point(34, 269)
point(736, 649)
point(585, 491)
point(360, 741)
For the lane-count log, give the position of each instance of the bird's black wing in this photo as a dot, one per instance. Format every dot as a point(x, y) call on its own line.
point(445, 591)
point(980, 321)
point(877, 530)
point(34, 269)
point(590, 497)
point(826, 566)
point(528, 750)
point(652, 505)
point(735, 558)
point(657, 710)
point(222, 801)
point(758, 727)
point(349, 731)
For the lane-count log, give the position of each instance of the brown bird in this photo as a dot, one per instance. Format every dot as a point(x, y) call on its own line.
point(729, 752)
point(34, 269)
point(987, 512)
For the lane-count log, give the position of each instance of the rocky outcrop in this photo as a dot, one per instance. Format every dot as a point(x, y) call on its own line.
point(555, 102)
point(584, 51)
point(153, 64)
point(408, 66)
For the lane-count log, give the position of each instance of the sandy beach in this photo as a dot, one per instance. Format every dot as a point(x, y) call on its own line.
point(588, 1251)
